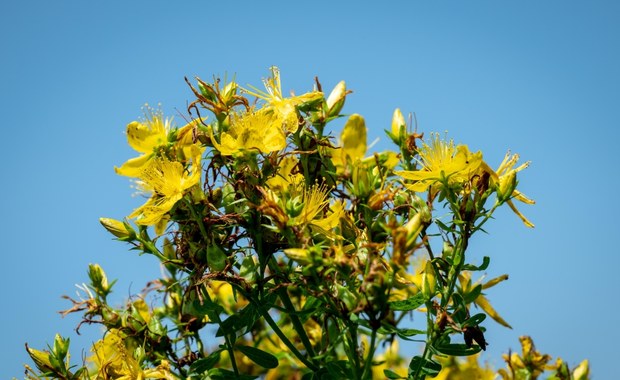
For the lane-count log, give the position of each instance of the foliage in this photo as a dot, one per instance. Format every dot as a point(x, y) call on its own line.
point(289, 254)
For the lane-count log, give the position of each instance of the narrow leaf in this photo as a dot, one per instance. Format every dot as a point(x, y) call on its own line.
point(458, 349)
point(408, 304)
point(258, 356)
point(392, 375)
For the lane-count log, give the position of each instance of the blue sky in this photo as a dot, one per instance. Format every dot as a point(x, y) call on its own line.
point(541, 78)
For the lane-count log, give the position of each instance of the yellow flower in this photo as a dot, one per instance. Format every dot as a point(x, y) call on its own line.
point(284, 109)
point(285, 175)
point(443, 161)
point(112, 360)
point(252, 131)
point(456, 369)
point(504, 178)
point(531, 361)
point(301, 206)
point(223, 293)
point(168, 181)
point(144, 137)
point(389, 359)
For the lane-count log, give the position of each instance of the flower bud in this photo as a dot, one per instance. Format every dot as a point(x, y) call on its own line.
point(121, 230)
point(41, 359)
point(99, 280)
point(294, 207)
point(421, 207)
point(428, 280)
point(61, 346)
point(413, 227)
point(582, 372)
point(398, 125)
point(335, 100)
point(347, 297)
point(507, 185)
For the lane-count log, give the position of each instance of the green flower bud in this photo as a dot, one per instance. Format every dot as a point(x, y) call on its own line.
point(421, 207)
point(294, 207)
point(346, 296)
point(61, 346)
point(40, 358)
point(121, 230)
point(99, 280)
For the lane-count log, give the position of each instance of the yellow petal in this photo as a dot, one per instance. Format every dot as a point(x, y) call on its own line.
point(486, 306)
point(494, 281)
point(133, 167)
point(144, 137)
point(523, 218)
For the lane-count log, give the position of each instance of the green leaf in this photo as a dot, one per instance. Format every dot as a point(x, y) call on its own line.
point(205, 364)
point(458, 349)
point(472, 294)
point(224, 374)
point(424, 366)
point(406, 333)
point(485, 263)
point(216, 258)
point(392, 375)
point(475, 320)
point(258, 356)
point(387, 329)
point(408, 304)
point(228, 325)
point(340, 369)
point(205, 307)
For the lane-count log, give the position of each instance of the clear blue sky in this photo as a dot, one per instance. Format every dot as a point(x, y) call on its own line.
point(541, 78)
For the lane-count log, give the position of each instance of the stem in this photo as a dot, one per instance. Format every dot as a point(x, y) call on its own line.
point(283, 295)
point(371, 353)
point(283, 337)
point(229, 343)
point(292, 312)
point(218, 320)
point(352, 353)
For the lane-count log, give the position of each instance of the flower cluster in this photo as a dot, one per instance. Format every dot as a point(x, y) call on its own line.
point(299, 254)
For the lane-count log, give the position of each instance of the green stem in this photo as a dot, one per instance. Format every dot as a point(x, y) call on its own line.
point(371, 353)
point(292, 312)
point(218, 320)
point(229, 343)
point(283, 295)
point(352, 352)
point(283, 337)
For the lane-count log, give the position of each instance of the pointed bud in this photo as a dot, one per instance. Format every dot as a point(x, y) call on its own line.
point(347, 297)
point(61, 346)
point(335, 100)
point(582, 372)
point(121, 230)
point(41, 359)
point(398, 125)
point(99, 280)
point(428, 280)
point(413, 228)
